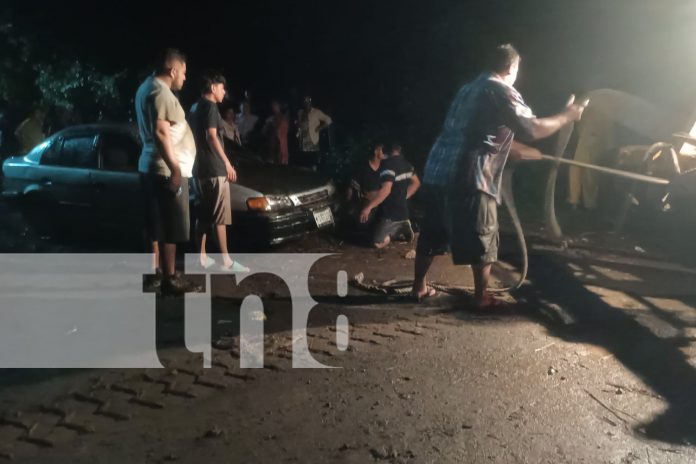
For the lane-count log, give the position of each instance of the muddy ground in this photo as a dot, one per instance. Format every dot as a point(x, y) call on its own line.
point(594, 362)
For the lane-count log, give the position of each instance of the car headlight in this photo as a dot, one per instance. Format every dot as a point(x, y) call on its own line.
point(330, 188)
point(278, 202)
point(269, 203)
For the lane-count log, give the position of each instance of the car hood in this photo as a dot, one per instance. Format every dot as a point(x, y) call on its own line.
point(273, 179)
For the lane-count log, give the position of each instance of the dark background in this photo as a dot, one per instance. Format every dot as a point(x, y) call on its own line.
point(384, 69)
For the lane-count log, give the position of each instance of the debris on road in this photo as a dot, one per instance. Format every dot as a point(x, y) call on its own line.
point(544, 347)
point(215, 432)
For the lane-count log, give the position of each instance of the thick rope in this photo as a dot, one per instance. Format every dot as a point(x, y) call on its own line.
point(406, 287)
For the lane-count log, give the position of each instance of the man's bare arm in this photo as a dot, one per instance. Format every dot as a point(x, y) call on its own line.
point(382, 195)
point(166, 149)
point(522, 152)
point(544, 127)
point(413, 186)
point(324, 120)
point(212, 138)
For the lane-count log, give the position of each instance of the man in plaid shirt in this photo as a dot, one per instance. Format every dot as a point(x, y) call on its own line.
point(465, 166)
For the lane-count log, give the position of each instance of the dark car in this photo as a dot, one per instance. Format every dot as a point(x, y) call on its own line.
point(89, 173)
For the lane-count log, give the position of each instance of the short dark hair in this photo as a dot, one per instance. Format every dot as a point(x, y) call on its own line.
point(166, 58)
point(211, 78)
point(502, 57)
point(396, 147)
point(375, 147)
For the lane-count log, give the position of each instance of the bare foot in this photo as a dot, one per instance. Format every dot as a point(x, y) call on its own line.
point(427, 292)
point(490, 302)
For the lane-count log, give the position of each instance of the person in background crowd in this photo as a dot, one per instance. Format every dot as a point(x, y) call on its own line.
point(310, 122)
point(230, 129)
point(246, 122)
point(276, 131)
point(30, 132)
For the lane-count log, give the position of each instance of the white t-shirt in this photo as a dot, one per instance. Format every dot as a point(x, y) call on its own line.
point(309, 128)
point(245, 124)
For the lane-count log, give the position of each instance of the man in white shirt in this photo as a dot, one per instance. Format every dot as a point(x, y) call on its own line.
point(246, 122)
point(165, 165)
point(310, 122)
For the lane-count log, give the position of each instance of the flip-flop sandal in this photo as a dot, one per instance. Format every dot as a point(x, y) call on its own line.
point(429, 293)
point(236, 266)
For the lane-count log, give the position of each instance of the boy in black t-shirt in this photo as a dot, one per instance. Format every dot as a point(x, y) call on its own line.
point(398, 183)
point(213, 172)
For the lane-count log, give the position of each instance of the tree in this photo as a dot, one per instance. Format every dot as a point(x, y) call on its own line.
point(16, 73)
point(29, 78)
point(73, 85)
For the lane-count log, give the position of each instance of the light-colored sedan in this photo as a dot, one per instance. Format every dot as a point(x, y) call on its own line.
point(89, 174)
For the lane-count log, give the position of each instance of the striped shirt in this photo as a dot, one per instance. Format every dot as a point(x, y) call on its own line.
point(475, 141)
point(399, 171)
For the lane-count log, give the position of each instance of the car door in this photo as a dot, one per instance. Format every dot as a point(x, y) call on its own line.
point(116, 182)
point(64, 172)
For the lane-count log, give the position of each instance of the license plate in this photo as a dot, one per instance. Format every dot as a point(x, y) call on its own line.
point(323, 217)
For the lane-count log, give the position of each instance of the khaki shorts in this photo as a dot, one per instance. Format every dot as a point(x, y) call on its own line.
point(475, 238)
point(465, 224)
point(215, 205)
point(166, 212)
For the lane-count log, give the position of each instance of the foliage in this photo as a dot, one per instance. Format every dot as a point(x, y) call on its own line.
point(15, 67)
point(71, 84)
point(29, 78)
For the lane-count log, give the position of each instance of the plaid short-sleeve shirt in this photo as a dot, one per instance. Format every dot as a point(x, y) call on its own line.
point(475, 141)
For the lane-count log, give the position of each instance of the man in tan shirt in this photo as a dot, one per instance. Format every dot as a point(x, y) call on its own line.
point(165, 165)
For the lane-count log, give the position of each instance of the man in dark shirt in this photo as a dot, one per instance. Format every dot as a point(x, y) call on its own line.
point(363, 187)
point(465, 166)
point(366, 181)
point(399, 183)
point(213, 172)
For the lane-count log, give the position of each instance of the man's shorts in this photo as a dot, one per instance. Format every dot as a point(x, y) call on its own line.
point(166, 212)
point(465, 224)
point(215, 205)
point(397, 230)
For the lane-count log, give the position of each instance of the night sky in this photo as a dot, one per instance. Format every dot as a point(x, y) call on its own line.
point(387, 63)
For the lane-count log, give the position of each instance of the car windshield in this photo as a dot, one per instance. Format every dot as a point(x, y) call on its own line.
point(35, 154)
